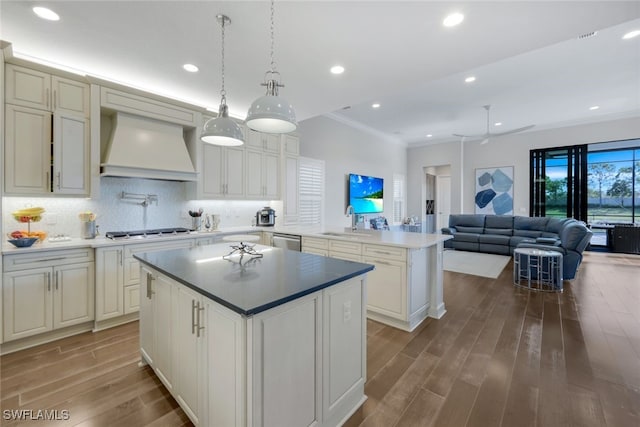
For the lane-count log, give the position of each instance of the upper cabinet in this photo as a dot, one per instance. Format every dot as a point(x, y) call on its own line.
point(47, 140)
point(266, 142)
point(43, 91)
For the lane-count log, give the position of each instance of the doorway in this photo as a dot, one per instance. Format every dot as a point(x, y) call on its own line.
point(436, 198)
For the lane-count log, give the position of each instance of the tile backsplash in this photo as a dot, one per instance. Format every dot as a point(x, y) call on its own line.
point(114, 214)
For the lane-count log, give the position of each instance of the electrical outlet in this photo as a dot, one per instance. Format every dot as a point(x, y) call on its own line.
point(346, 311)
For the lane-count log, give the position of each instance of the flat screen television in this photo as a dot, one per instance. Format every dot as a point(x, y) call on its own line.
point(366, 193)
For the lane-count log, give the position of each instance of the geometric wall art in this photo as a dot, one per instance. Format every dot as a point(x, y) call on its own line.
point(494, 191)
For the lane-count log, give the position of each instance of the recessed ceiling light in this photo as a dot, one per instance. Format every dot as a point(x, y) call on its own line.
point(453, 20)
point(376, 105)
point(595, 107)
point(337, 69)
point(429, 135)
point(497, 124)
point(45, 13)
point(631, 34)
point(190, 68)
point(470, 79)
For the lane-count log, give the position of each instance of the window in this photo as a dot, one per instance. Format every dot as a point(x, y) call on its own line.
point(311, 185)
point(399, 199)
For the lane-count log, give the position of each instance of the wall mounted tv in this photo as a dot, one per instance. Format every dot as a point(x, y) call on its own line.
point(366, 193)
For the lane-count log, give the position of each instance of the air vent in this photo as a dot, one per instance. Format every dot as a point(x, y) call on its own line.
point(348, 107)
point(587, 35)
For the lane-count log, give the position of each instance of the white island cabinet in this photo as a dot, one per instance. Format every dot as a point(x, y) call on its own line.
point(406, 285)
point(277, 341)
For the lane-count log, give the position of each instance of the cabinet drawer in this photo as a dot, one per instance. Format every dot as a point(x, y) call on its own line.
point(45, 259)
point(346, 256)
point(129, 250)
point(384, 252)
point(313, 242)
point(353, 248)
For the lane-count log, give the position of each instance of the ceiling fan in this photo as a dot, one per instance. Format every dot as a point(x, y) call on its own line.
point(485, 136)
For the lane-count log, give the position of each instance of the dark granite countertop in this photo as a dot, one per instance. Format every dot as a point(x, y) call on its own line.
point(251, 285)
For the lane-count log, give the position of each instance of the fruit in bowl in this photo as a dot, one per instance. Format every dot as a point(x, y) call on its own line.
point(23, 242)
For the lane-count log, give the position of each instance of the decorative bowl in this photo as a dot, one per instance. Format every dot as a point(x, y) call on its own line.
point(24, 242)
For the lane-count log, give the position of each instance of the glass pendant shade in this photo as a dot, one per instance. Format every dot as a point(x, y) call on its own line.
point(271, 113)
point(222, 130)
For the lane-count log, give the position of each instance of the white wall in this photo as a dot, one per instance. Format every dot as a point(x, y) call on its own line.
point(511, 150)
point(348, 150)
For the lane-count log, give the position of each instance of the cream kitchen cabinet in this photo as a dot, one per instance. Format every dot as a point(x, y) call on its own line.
point(46, 153)
point(227, 369)
point(315, 245)
point(43, 91)
point(47, 133)
point(118, 280)
point(172, 339)
point(267, 142)
point(47, 291)
point(223, 173)
point(109, 282)
point(263, 177)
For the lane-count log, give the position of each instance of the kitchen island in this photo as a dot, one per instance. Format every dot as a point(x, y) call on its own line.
point(243, 340)
point(406, 286)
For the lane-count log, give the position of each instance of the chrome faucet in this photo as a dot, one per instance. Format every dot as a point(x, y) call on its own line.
point(350, 212)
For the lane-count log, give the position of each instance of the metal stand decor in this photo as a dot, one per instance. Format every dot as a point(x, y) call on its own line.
point(242, 248)
point(537, 270)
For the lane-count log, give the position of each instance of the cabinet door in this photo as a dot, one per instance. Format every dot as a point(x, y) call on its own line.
point(27, 151)
point(189, 335)
point(147, 310)
point(109, 282)
point(163, 330)
point(70, 96)
point(212, 170)
point(225, 350)
point(235, 172)
point(29, 88)
point(291, 144)
point(253, 139)
point(387, 287)
point(255, 186)
point(70, 154)
point(73, 300)
point(27, 299)
point(271, 176)
point(131, 299)
point(271, 142)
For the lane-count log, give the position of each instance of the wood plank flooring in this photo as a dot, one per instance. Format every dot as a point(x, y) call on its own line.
point(501, 356)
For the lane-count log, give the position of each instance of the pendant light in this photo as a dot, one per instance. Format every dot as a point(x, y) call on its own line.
point(272, 113)
point(222, 130)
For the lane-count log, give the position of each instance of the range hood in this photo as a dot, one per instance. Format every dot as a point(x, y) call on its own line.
point(145, 148)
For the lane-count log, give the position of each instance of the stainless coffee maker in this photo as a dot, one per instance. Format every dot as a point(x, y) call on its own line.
point(266, 217)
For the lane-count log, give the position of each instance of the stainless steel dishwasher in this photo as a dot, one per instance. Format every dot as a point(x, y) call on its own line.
point(286, 241)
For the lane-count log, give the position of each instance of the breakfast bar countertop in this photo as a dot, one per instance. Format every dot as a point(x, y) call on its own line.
point(249, 285)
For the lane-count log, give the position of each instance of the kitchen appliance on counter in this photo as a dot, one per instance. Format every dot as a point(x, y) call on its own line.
point(292, 242)
point(146, 234)
point(266, 217)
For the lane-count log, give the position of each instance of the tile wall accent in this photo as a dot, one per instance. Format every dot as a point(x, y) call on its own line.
point(114, 214)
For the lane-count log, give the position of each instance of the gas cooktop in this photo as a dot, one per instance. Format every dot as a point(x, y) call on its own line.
point(146, 234)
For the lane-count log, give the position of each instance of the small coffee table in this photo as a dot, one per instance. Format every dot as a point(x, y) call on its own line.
point(538, 270)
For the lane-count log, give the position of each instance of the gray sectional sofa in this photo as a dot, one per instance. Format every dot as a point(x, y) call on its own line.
point(501, 234)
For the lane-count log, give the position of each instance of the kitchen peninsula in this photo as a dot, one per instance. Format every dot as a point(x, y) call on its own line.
point(271, 340)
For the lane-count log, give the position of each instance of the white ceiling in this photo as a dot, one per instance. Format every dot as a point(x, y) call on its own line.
point(529, 63)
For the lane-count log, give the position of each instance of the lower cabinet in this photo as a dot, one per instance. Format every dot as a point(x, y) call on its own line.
point(387, 287)
point(118, 277)
point(301, 364)
point(46, 291)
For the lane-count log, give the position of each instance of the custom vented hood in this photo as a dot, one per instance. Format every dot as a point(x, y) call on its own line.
point(145, 148)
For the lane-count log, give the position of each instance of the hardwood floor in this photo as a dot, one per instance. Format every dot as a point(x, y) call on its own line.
point(501, 356)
